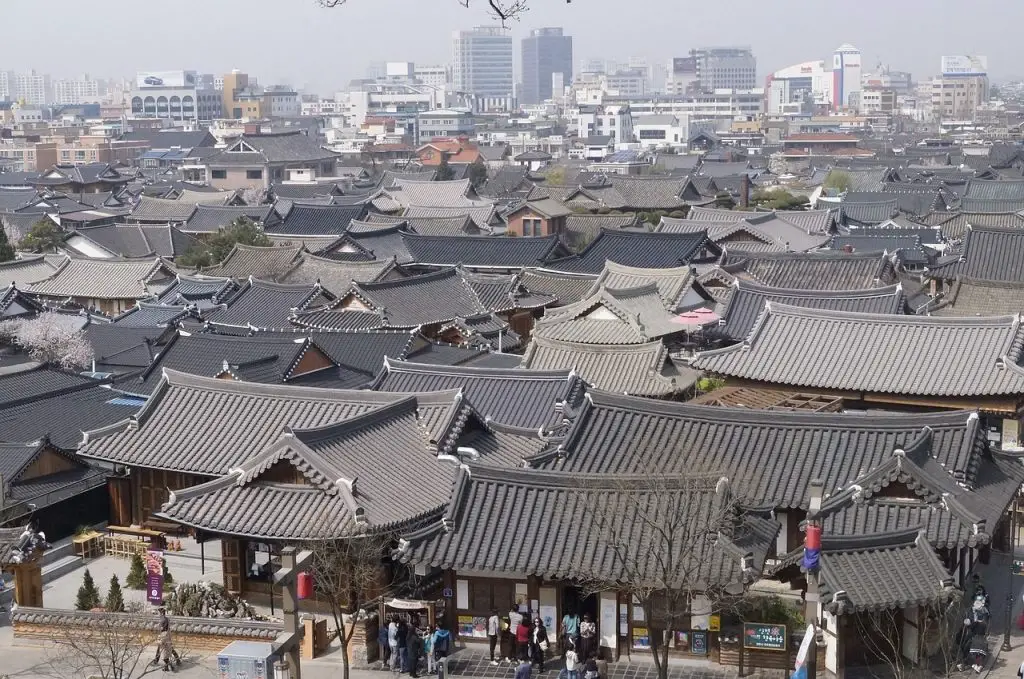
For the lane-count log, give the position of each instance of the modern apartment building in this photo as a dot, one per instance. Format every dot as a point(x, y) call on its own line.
point(32, 88)
point(545, 52)
point(720, 68)
point(81, 91)
point(482, 62)
point(6, 85)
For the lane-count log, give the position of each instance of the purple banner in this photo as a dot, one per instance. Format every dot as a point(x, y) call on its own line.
point(155, 576)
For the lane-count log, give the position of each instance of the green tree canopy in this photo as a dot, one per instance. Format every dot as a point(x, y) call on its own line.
point(444, 170)
point(115, 599)
point(6, 249)
point(88, 596)
point(838, 180)
point(242, 231)
point(779, 200)
point(477, 174)
point(44, 236)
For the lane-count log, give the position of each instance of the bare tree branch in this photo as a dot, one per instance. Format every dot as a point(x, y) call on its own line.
point(503, 10)
point(111, 647)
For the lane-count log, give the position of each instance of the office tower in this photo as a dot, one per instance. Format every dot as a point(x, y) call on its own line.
point(545, 52)
point(733, 68)
point(482, 62)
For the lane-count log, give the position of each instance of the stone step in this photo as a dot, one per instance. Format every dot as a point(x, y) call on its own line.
point(60, 567)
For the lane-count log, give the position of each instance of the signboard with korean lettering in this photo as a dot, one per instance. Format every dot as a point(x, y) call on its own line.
point(765, 637)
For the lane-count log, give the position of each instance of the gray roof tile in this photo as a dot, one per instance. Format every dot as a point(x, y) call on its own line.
point(648, 250)
point(908, 355)
point(261, 262)
point(336, 276)
point(263, 304)
point(420, 300)
point(990, 253)
point(564, 287)
point(969, 297)
point(105, 279)
point(481, 251)
point(211, 218)
point(161, 210)
point(814, 271)
point(28, 269)
point(317, 220)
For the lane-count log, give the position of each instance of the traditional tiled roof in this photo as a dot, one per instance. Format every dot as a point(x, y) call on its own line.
point(120, 349)
point(867, 208)
point(161, 210)
point(814, 271)
point(505, 292)
point(431, 193)
point(968, 297)
point(317, 220)
point(758, 449)
point(201, 290)
point(470, 536)
point(531, 399)
point(614, 316)
point(298, 192)
point(461, 225)
point(581, 229)
point(144, 315)
point(632, 369)
point(763, 232)
point(383, 241)
point(954, 225)
point(261, 262)
point(481, 251)
point(104, 278)
point(995, 190)
point(420, 300)
point(28, 269)
point(211, 218)
point(328, 318)
point(41, 490)
point(983, 205)
point(482, 214)
point(909, 355)
point(263, 304)
point(992, 254)
point(646, 250)
point(336, 276)
point(355, 476)
point(14, 302)
point(182, 426)
point(565, 287)
point(270, 148)
point(870, 573)
point(749, 299)
point(133, 240)
point(38, 402)
point(673, 283)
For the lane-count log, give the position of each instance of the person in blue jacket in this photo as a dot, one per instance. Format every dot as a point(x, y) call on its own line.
point(440, 642)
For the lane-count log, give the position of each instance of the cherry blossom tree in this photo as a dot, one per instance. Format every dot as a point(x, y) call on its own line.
point(51, 338)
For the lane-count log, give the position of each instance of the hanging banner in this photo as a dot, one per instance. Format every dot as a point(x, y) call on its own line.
point(155, 576)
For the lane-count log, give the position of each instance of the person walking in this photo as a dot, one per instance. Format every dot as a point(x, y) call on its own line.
point(514, 618)
point(588, 635)
point(523, 639)
point(383, 647)
point(539, 643)
point(393, 642)
point(165, 646)
point(441, 644)
point(412, 647)
point(493, 629)
point(570, 631)
point(403, 648)
point(525, 670)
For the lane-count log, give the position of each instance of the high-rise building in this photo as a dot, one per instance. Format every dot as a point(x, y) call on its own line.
point(682, 77)
point(846, 77)
point(961, 89)
point(32, 88)
point(81, 91)
point(546, 51)
point(6, 85)
point(482, 62)
point(728, 68)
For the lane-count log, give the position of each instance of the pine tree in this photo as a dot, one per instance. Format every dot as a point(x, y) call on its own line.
point(115, 600)
point(6, 249)
point(168, 580)
point(136, 573)
point(88, 596)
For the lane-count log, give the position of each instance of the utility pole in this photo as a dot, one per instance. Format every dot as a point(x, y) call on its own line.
point(287, 643)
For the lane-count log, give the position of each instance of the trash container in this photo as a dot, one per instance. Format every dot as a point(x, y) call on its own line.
point(246, 660)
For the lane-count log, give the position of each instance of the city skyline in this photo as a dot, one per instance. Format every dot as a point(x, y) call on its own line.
point(335, 48)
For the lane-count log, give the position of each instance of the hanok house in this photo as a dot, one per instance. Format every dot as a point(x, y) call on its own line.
point(887, 361)
point(470, 546)
point(110, 286)
point(257, 160)
point(884, 475)
point(542, 217)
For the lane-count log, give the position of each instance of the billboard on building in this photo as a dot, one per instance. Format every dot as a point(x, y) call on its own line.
point(964, 65)
point(146, 79)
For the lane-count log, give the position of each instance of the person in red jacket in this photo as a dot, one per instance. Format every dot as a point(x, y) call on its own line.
point(523, 638)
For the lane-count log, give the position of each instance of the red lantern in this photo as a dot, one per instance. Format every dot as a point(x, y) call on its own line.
point(305, 585)
point(813, 538)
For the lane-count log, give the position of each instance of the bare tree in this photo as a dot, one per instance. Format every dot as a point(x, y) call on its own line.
point(502, 10)
point(349, 574)
point(51, 338)
point(111, 646)
point(667, 542)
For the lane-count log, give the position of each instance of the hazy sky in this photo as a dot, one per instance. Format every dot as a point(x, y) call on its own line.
point(299, 43)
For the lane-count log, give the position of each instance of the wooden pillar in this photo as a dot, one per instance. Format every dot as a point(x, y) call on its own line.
point(119, 489)
point(450, 615)
point(28, 584)
point(231, 555)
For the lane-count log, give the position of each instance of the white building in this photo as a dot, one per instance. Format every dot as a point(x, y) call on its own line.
point(281, 102)
point(661, 131)
point(726, 105)
point(615, 121)
point(83, 91)
point(846, 77)
point(790, 88)
point(482, 62)
point(961, 89)
point(433, 76)
point(394, 100)
point(444, 123)
point(6, 85)
point(173, 95)
point(32, 88)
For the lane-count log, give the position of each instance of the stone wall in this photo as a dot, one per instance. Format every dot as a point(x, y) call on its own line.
point(193, 634)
